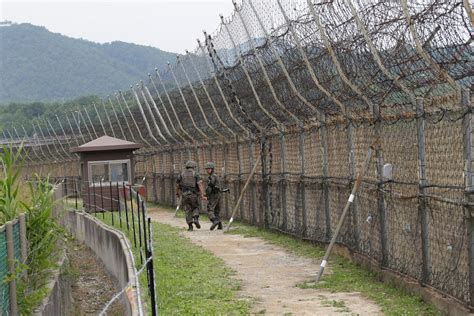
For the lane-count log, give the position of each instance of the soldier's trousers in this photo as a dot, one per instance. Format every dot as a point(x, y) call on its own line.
point(190, 205)
point(213, 207)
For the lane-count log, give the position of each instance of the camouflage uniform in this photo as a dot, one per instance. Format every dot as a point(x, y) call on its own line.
point(188, 184)
point(213, 193)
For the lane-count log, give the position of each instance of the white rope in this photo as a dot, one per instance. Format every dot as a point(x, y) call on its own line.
point(129, 284)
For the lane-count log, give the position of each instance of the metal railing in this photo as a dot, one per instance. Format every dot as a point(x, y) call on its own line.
point(121, 206)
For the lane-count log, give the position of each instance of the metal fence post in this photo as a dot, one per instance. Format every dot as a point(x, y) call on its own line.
point(118, 205)
point(283, 182)
point(133, 217)
point(240, 185)
point(76, 192)
point(139, 226)
point(11, 267)
point(144, 224)
point(65, 188)
point(151, 271)
point(111, 202)
point(422, 182)
point(468, 185)
point(352, 174)
point(102, 200)
point(155, 188)
point(304, 215)
point(23, 240)
point(325, 183)
point(125, 205)
point(380, 194)
point(95, 199)
point(265, 196)
point(225, 157)
point(173, 188)
point(162, 179)
point(253, 192)
point(198, 157)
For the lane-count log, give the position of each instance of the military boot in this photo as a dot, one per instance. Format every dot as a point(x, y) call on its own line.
point(219, 226)
point(215, 222)
point(196, 222)
point(190, 227)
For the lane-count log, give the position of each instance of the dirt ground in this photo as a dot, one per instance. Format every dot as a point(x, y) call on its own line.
point(270, 274)
point(92, 287)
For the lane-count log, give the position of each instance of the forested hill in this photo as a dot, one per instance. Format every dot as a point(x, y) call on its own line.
point(38, 65)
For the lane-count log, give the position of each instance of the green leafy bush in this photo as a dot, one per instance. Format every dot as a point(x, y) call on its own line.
point(9, 187)
point(42, 232)
point(43, 235)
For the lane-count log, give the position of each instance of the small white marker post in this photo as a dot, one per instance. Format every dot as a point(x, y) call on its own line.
point(344, 212)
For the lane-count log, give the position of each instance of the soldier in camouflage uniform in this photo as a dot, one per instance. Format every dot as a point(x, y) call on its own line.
point(189, 185)
point(213, 192)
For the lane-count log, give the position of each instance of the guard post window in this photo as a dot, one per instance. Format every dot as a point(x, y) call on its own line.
point(117, 171)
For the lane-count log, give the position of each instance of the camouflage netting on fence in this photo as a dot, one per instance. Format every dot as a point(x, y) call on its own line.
point(303, 88)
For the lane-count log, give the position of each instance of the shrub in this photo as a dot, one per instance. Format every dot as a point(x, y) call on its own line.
point(42, 232)
point(43, 235)
point(10, 170)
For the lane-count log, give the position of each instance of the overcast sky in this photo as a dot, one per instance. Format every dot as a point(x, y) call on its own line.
point(171, 25)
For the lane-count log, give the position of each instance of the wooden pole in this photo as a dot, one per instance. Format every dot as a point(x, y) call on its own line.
point(23, 244)
point(242, 193)
point(344, 212)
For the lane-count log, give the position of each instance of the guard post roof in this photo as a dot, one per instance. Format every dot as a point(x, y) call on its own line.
point(106, 143)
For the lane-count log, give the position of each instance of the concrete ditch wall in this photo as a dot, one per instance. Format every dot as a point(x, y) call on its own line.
point(59, 300)
point(113, 248)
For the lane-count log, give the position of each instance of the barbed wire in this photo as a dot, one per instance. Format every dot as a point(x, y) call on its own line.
point(274, 64)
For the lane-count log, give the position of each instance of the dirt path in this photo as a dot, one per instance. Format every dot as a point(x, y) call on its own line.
point(269, 274)
point(92, 287)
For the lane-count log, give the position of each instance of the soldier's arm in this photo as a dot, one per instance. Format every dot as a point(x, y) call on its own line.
point(201, 189)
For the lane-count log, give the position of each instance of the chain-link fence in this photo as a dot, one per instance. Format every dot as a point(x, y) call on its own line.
point(5, 287)
point(308, 175)
point(12, 253)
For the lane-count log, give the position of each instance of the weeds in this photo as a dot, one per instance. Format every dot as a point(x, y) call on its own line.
point(9, 186)
point(42, 232)
point(43, 235)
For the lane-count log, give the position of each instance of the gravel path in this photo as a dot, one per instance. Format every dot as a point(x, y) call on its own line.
point(270, 274)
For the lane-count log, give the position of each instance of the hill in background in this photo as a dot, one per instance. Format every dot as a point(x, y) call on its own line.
point(38, 65)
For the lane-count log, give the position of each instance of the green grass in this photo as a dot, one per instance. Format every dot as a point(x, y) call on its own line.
point(345, 276)
point(189, 279)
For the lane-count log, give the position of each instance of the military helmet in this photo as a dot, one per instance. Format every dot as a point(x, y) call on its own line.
point(210, 165)
point(191, 164)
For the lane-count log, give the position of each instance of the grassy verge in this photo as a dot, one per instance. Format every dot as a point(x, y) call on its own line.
point(346, 276)
point(189, 279)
